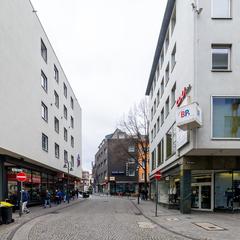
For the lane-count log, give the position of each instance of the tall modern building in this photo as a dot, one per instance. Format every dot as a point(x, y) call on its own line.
point(40, 120)
point(194, 93)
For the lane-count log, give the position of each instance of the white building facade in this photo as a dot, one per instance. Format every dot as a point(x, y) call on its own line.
point(194, 94)
point(41, 117)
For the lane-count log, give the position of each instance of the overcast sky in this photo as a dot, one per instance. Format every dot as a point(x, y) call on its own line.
point(106, 49)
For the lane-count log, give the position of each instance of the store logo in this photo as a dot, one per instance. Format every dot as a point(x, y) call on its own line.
point(185, 113)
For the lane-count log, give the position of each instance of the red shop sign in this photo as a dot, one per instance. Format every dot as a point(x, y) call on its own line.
point(184, 93)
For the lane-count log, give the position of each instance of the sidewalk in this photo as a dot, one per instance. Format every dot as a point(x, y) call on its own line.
point(7, 229)
point(227, 224)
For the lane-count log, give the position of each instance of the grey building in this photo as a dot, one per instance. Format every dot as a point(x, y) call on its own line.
point(115, 171)
point(195, 106)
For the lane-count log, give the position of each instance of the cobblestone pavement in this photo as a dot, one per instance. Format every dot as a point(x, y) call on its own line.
point(96, 218)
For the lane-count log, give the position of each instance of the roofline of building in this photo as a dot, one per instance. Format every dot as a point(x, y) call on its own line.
point(160, 43)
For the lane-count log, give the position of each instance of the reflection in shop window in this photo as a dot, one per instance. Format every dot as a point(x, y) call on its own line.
point(226, 117)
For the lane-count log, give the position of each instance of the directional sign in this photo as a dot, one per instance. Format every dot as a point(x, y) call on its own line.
point(21, 177)
point(158, 175)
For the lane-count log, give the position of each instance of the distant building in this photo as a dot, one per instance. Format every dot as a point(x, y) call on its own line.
point(41, 118)
point(114, 171)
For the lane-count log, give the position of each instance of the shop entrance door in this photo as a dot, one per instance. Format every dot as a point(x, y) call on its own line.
point(202, 196)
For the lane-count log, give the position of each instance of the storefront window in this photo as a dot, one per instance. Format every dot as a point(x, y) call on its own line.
point(36, 186)
point(236, 190)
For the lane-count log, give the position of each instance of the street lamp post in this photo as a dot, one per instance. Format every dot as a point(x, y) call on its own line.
point(67, 165)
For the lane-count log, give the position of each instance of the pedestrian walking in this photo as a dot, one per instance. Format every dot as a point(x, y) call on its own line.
point(25, 199)
point(47, 199)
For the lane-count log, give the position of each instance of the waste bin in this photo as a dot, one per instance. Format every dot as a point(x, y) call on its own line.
point(6, 212)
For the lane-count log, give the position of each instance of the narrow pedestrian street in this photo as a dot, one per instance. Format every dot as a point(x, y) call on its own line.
point(99, 217)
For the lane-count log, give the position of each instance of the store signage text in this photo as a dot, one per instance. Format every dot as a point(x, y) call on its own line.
point(184, 93)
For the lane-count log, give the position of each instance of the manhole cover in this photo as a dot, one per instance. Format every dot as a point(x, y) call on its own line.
point(172, 219)
point(209, 227)
point(146, 225)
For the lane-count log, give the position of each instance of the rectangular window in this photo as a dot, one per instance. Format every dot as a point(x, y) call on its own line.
point(56, 150)
point(157, 72)
point(65, 112)
point(160, 152)
point(72, 103)
point(154, 131)
point(171, 141)
point(167, 75)
point(158, 124)
point(173, 20)
point(44, 81)
point(162, 116)
point(221, 57)
point(226, 117)
point(65, 90)
point(173, 95)
point(65, 156)
point(72, 141)
point(154, 106)
point(154, 82)
point(56, 125)
point(44, 142)
point(151, 91)
point(131, 149)
point(221, 8)
point(44, 112)
point(152, 135)
point(162, 58)
point(56, 99)
point(153, 159)
point(72, 161)
point(151, 113)
point(72, 122)
point(173, 57)
point(167, 108)
point(162, 87)
point(65, 134)
point(43, 51)
point(167, 41)
point(56, 74)
point(158, 98)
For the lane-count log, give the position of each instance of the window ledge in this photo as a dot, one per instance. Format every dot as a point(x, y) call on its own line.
point(215, 70)
point(222, 18)
point(225, 139)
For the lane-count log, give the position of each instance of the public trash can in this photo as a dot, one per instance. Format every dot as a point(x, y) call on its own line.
point(6, 212)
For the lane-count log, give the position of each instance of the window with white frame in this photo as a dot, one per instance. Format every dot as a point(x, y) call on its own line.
point(57, 150)
point(173, 95)
point(65, 134)
point(65, 90)
point(56, 74)
point(173, 20)
point(153, 159)
point(162, 116)
point(162, 87)
point(162, 58)
point(167, 107)
point(221, 57)
point(160, 148)
point(65, 112)
point(171, 141)
point(158, 97)
point(221, 8)
point(56, 125)
point(158, 124)
point(157, 72)
point(44, 112)
point(154, 106)
point(154, 130)
point(65, 156)
point(72, 103)
point(151, 113)
point(131, 149)
point(72, 122)
point(226, 117)
point(56, 99)
point(72, 141)
point(72, 161)
point(173, 57)
point(44, 142)
point(167, 74)
point(167, 41)
point(44, 81)
point(43, 51)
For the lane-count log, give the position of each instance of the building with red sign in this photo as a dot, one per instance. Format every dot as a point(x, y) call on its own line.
point(40, 120)
point(194, 95)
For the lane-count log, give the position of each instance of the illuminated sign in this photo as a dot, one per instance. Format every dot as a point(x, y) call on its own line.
point(184, 93)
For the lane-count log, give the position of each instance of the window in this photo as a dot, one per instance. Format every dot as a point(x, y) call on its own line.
point(171, 141)
point(160, 152)
point(72, 122)
point(152, 135)
point(56, 74)
point(154, 82)
point(72, 103)
point(162, 116)
point(44, 81)
point(167, 41)
point(158, 97)
point(153, 155)
point(56, 150)
point(167, 74)
point(72, 141)
point(65, 90)
point(65, 134)
point(44, 142)
point(162, 58)
point(151, 113)
point(158, 124)
point(65, 112)
point(173, 95)
point(226, 117)
point(154, 106)
point(131, 167)
point(72, 161)
point(173, 57)
point(221, 8)
point(65, 156)
point(173, 20)
point(151, 91)
point(131, 149)
point(221, 57)
point(56, 125)
point(56, 99)
point(43, 51)
point(162, 87)
point(167, 107)
point(157, 72)
point(44, 112)
point(154, 131)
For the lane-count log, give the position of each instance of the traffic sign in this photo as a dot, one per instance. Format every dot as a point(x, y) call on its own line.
point(158, 175)
point(21, 177)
